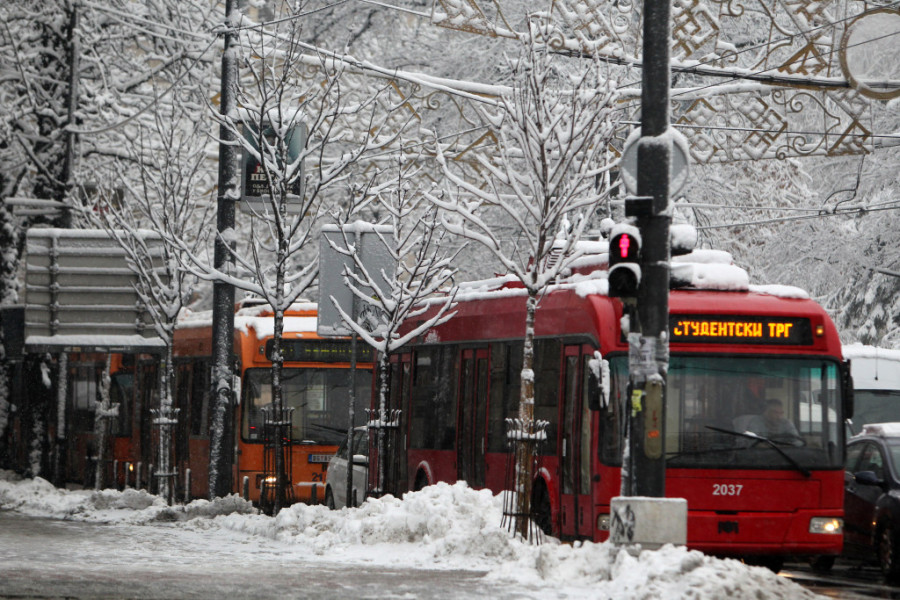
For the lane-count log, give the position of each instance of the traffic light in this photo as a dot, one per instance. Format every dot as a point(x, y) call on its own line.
point(624, 261)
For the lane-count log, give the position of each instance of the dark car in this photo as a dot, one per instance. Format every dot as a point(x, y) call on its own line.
point(872, 497)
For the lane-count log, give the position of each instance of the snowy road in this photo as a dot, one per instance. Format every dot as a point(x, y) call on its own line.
point(445, 541)
point(43, 558)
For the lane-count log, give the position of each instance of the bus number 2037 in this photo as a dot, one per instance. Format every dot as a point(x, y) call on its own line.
point(727, 489)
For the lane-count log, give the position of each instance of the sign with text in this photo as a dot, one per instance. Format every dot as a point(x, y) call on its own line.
point(327, 351)
point(736, 329)
point(255, 189)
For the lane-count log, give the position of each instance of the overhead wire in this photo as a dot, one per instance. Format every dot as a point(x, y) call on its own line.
point(749, 76)
point(861, 210)
point(711, 61)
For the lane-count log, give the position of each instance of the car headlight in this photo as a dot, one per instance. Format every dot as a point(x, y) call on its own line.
point(827, 525)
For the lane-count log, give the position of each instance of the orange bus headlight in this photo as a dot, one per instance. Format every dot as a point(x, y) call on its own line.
point(827, 525)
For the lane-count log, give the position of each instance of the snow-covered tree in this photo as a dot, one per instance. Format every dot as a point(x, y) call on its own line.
point(170, 200)
point(303, 137)
point(535, 196)
point(76, 81)
point(413, 239)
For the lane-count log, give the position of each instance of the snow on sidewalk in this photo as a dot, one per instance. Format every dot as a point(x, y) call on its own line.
point(442, 526)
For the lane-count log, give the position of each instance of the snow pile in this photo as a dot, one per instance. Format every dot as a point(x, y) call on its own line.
point(38, 497)
point(443, 526)
point(445, 522)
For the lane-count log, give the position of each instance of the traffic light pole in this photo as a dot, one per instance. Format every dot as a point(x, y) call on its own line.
point(648, 338)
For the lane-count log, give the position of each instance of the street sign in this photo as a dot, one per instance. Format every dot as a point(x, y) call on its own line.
point(255, 192)
point(80, 293)
point(680, 160)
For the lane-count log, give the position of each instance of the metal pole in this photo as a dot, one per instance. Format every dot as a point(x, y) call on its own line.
point(59, 467)
point(647, 436)
point(221, 453)
point(65, 219)
point(351, 410)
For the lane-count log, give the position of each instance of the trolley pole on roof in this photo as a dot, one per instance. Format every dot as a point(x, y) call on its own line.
point(648, 340)
point(221, 457)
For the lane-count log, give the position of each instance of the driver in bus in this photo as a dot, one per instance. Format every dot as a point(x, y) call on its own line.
point(773, 425)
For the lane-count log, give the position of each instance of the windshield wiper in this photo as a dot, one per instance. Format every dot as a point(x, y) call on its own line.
point(753, 436)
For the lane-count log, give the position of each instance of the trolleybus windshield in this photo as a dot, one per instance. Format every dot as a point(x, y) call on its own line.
point(748, 412)
point(319, 398)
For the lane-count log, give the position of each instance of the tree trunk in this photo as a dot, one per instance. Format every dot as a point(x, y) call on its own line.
point(525, 444)
point(278, 414)
point(384, 365)
point(165, 420)
point(101, 426)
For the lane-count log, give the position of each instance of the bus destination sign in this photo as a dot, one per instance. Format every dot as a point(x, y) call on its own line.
point(327, 351)
point(736, 329)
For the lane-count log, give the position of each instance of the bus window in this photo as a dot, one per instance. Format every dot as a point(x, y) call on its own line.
point(506, 368)
point(319, 397)
point(613, 415)
point(200, 414)
point(874, 406)
point(121, 391)
point(546, 388)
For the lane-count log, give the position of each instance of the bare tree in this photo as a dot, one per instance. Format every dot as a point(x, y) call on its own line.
point(302, 136)
point(422, 282)
point(167, 203)
point(540, 189)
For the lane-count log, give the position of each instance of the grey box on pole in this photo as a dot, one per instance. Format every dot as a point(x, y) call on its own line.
point(371, 242)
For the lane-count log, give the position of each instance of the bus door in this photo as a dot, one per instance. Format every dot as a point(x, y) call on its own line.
point(576, 509)
point(472, 416)
point(395, 463)
point(138, 472)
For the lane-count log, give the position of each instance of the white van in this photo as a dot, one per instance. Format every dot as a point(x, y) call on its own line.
point(876, 384)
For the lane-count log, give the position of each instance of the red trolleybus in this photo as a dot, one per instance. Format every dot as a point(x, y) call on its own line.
point(730, 353)
point(316, 380)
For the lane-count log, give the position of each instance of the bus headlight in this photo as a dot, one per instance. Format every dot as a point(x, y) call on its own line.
point(603, 522)
point(827, 525)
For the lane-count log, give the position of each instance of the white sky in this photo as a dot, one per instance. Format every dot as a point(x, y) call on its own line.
point(441, 527)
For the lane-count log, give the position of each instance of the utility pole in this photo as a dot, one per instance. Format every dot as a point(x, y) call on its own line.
point(221, 459)
point(648, 339)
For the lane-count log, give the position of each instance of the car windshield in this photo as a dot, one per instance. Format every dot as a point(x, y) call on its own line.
point(319, 399)
point(743, 412)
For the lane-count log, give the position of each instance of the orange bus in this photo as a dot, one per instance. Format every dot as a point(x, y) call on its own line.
point(316, 390)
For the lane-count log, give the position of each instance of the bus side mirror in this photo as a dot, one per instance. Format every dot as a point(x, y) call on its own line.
point(847, 389)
